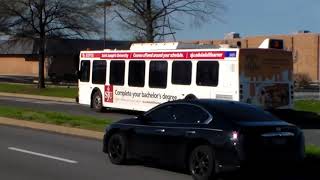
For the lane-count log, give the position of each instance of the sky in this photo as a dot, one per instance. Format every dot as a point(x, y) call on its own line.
point(259, 17)
point(249, 18)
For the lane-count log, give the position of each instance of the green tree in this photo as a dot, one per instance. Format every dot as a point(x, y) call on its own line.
point(44, 19)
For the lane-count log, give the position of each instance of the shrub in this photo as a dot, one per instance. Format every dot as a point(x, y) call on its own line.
point(301, 80)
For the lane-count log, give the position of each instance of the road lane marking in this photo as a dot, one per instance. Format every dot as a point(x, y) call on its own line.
point(42, 155)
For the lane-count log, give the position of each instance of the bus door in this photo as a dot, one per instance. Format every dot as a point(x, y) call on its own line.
point(228, 81)
point(84, 82)
point(215, 79)
point(207, 75)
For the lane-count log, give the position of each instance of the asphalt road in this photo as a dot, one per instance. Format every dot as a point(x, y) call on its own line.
point(37, 155)
point(312, 135)
point(71, 108)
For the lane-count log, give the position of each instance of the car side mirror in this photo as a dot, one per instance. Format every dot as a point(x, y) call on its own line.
point(144, 118)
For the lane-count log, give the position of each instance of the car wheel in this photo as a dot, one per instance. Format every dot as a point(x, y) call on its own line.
point(97, 102)
point(202, 163)
point(117, 149)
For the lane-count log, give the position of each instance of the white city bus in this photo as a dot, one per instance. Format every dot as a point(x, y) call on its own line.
point(152, 73)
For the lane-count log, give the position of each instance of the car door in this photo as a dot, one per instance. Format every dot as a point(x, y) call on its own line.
point(169, 128)
point(148, 136)
point(188, 121)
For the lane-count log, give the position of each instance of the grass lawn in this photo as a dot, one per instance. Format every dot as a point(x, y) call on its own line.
point(307, 105)
point(54, 91)
point(313, 151)
point(63, 119)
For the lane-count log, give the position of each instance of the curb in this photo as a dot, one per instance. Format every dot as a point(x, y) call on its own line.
point(48, 98)
point(52, 128)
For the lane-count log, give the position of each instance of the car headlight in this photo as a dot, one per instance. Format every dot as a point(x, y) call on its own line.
point(107, 128)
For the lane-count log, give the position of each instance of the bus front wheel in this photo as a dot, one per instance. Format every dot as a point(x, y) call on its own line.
point(97, 101)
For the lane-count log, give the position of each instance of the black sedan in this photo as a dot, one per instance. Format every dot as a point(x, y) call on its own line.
point(204, 136)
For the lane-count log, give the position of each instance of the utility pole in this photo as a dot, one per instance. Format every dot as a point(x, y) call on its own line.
point(104, 24)
point(42, 40)
point(107, 3)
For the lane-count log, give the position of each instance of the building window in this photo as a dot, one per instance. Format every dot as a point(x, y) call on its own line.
point(181, 72)
point(117, 69)
point(207, 73)
point(85, 71)
point(158, 74)
point(99, 72)
point(136, 73)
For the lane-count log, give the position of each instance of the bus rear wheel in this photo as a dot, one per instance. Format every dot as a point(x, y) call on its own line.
point(97, 101)
point(190, 97)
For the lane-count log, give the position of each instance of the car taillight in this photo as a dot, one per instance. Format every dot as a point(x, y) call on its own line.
point(234, 136)
point(292, 92)
point(241, 92)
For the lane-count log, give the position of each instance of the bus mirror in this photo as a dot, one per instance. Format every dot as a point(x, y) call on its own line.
point(276, 44)
point(239, 44)
point(78, 73)
point(272, 43)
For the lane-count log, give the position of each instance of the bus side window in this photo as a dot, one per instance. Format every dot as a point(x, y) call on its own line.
point(207, 73)
point(85, 71)
point(99, 72)
point(158, 74)
point(136, 73)
point(117, 69)
point(181, 72)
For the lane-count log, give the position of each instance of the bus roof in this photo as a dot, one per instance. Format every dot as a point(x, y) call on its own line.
point(170, 46)
point(175, 51)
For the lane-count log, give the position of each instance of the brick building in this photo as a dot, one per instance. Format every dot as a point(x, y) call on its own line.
point(19, 58)
point(304, 45)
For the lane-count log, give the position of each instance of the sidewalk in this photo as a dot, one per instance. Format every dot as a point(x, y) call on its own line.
point(52, 128)
point(48, 98)
point(307, 95)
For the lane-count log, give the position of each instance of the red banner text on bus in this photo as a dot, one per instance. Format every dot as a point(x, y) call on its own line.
point(158, 55)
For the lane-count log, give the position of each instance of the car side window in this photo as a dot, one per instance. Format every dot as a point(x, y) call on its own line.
point(162, 114)
point(190, 114)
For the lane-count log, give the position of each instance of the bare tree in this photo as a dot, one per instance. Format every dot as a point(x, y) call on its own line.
point(43, 19)
point(152, 19)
